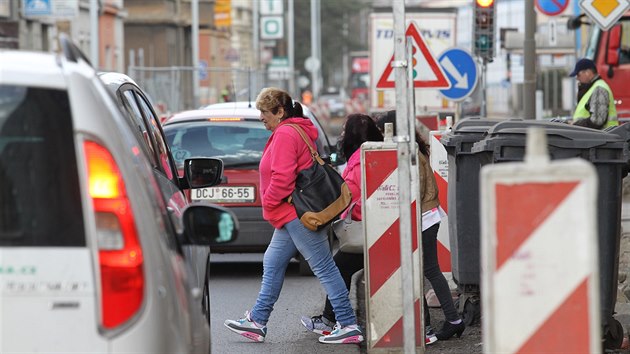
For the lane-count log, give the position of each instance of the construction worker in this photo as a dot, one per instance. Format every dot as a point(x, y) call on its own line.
point(596, 105)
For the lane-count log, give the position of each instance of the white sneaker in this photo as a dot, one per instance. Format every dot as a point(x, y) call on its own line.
point(247, 328)
point(343, 335)
point(317, 324)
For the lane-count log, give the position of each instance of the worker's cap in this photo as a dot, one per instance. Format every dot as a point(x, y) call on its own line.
point(583, 64)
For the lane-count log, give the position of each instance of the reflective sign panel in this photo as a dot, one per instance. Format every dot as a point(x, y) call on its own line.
point(605, 12)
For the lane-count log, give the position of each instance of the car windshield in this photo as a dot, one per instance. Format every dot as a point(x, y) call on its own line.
point(239, 143)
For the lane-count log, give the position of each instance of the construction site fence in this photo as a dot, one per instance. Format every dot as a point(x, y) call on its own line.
point(171, 89)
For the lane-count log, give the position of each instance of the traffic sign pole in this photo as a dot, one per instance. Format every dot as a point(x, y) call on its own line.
point(483, 111)
point(402, 131)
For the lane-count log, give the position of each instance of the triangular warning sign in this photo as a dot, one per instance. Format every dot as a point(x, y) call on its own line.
point(438, 81)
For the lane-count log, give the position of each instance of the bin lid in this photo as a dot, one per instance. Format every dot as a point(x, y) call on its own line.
point(467, 130)
point(560, 135)
point(622, 130)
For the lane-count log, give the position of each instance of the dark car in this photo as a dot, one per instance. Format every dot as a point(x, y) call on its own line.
point(233, 132)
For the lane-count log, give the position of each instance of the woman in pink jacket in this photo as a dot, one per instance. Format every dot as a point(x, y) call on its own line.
point(358, 129)
point(284, 156)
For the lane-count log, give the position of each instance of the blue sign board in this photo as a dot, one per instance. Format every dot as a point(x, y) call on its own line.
point(203, 72)
point(37, 7)
point(552, 7)
point(461, 70)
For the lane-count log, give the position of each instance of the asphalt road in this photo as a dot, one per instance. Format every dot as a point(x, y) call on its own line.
point(235, 282)
point(234, 285)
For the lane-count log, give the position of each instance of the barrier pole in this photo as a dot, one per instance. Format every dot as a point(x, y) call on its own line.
point(540, 270)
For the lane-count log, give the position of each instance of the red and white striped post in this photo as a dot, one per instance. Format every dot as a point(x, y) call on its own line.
point(439, 164)
point(540, 283)
point(381, 224)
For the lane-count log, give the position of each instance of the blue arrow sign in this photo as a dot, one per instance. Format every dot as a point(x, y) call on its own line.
point(552, 7)
point(461, 71)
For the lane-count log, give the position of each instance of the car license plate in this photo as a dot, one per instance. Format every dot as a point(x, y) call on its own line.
point(224, 194)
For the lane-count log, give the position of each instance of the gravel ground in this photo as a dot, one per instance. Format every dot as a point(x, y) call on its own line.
point(469, 343)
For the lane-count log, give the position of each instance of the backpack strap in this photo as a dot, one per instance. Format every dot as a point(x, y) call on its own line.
point(314, 153)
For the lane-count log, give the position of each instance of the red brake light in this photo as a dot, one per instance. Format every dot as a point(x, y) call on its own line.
point(120, 254)
point(485, 3)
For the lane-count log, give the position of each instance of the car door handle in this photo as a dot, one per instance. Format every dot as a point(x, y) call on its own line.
point(161, 291)
point(65, 305)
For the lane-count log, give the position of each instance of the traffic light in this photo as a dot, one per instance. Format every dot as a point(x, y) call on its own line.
point(483, 29)
point(414, 61)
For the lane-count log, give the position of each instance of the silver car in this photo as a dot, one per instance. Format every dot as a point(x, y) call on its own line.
point(91, 258)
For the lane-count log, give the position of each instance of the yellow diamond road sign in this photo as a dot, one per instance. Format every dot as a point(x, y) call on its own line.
point(605, 12)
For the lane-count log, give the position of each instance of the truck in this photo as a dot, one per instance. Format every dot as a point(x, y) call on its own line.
point(437, 28)
point(359, 75)
point(610, 50)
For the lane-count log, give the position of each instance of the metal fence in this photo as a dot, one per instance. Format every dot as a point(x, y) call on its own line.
point(171, 89)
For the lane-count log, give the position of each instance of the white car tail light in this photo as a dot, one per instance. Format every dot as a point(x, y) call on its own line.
point(120, 254)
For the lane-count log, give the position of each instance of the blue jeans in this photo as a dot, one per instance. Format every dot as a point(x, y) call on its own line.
point(314, 247)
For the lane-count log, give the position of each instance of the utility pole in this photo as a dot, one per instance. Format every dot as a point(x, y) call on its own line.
point(291, 49)
point(194, 11)
point(315, 47)
point(256, 45)
point(94, 33)
point(529, 52)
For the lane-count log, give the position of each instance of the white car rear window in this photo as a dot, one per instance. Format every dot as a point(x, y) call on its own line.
point(40, 201)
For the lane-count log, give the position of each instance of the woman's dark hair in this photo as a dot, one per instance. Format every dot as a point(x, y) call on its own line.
point(358, 129)
point(390, 117)
point(272, 98)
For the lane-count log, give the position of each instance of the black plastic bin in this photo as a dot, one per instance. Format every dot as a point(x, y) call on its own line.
point(463, 197)
point(608, 151)
point(463, 211)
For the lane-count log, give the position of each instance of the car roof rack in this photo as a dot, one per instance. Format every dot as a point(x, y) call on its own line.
point(70, 50)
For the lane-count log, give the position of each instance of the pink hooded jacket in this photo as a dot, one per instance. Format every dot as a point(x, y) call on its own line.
point(284, 156)
point(352, 175)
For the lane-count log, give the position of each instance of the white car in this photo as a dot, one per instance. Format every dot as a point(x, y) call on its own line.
point(91, 257)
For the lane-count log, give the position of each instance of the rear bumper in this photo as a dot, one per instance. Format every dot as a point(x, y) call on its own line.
point(254, 232)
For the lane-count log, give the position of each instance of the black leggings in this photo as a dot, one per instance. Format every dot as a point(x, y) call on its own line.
point(436, 278)
point(350, 263)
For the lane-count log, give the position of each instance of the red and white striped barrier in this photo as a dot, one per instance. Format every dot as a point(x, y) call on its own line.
point(539, 256)
point(439, 164)
point(383, 271)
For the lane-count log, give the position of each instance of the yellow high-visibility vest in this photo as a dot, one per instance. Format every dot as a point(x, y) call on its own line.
point(581, 111)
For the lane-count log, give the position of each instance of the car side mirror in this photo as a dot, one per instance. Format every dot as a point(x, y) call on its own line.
point(202, 172)
point(336, 160)
point(208, 224)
